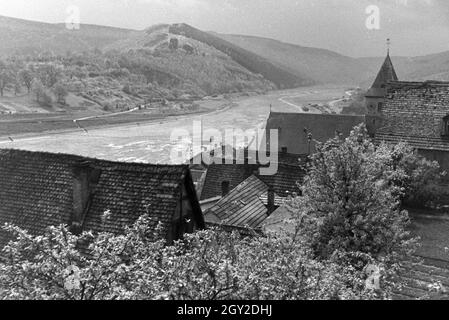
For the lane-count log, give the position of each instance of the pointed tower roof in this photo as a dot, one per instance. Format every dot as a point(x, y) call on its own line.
point(386, 73)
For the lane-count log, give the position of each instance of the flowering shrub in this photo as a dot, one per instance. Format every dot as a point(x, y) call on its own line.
point(416, 179)
point(210, 264)
point(351, 204)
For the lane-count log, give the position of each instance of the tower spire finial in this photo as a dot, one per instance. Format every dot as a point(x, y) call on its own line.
point(388, 46)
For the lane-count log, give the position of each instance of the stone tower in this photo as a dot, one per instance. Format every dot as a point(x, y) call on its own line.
point(375, 97)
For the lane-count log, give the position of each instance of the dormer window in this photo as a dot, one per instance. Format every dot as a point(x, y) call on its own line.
point(445, 127)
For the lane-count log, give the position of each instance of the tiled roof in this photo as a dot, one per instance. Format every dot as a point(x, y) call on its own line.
point(284, 182)
point(242, 206)
point(36, 191)
point(233, 173)
point(413, 113)
point(386, 73)
point(323, 127)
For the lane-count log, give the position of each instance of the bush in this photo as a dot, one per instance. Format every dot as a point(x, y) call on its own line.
point(207, 265)
point(107, 107)
point(127, 89)
point(417, 180)
point(60, 92)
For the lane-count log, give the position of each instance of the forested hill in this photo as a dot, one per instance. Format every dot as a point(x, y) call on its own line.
point(180, 58)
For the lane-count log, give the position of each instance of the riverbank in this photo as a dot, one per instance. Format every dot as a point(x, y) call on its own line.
point(41, 126)
point(151, 140)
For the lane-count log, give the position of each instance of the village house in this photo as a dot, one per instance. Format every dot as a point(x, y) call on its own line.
point(417, 113)
point(239, 196)
point(413, 112)
point(298, 133)
point(38, 190)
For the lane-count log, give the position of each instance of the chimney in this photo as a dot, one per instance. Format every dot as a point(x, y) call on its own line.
point(270, 204)
point(85, 179)
point(224, 188)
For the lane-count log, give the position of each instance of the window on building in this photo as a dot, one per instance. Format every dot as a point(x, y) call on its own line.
point(445, 127)
point(225, 188)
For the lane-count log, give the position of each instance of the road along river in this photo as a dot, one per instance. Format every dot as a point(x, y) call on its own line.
point(150, 142)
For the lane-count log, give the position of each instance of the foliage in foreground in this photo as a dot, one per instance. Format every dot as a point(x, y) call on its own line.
point(348, 221)
point(209, 264)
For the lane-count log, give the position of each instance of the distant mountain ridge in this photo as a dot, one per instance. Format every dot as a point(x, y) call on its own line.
point(286, 65)
point(29, 37)
point(325, 66)
point(248, 59)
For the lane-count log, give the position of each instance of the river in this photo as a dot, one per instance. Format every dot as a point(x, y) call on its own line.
point(150, 142)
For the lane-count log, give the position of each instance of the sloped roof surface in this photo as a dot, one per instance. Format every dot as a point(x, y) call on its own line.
point(386, 73)
point(36, 191)
point(242, 206)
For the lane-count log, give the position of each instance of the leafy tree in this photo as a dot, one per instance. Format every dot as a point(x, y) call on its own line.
point(43, 97)
point(6, 77)
point(17, 86)
point(127, 89)
point(60, 92)
point(26, 76)
point(349, 205)
point(48, 73)
point(38, 89)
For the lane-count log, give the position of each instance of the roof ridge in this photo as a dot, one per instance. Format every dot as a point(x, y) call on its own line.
point(419, 83)
point(76, 157)
point(319, 114)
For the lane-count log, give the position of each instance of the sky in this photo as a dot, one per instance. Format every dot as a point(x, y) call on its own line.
point(351, 27)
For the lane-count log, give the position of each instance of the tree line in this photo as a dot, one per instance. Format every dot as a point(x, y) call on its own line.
point(42, 79)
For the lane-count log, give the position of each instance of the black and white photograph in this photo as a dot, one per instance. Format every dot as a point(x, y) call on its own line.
point(200, 151)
